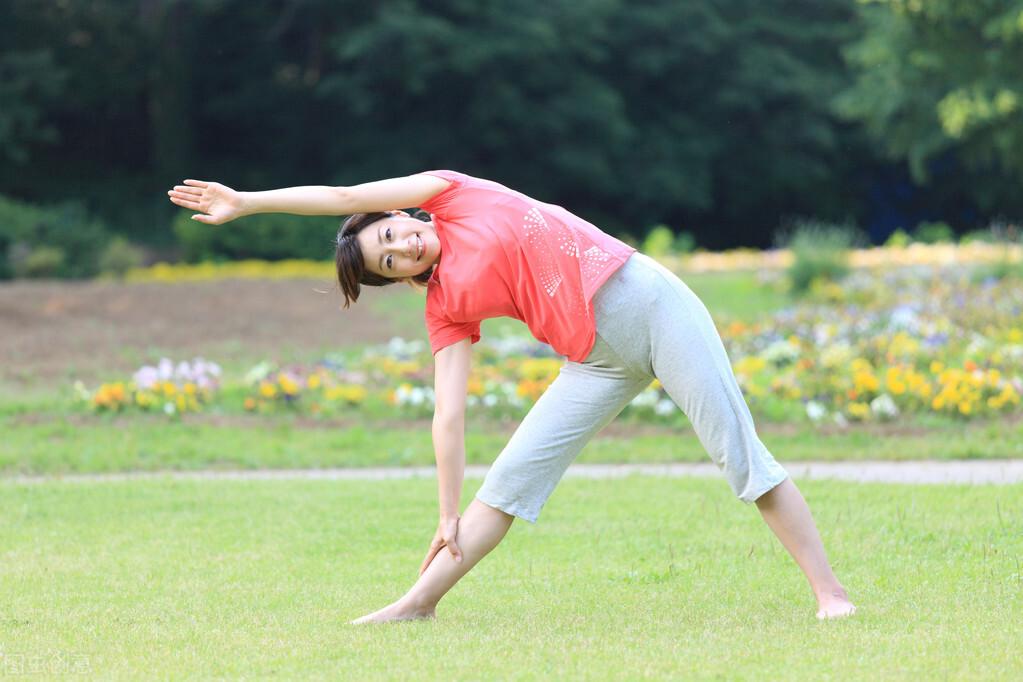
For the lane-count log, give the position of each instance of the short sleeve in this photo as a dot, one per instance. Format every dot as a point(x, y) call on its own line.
point(440, 203)
point(444, 332)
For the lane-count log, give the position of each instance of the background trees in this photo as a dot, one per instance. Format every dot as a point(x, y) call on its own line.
point(725, 118)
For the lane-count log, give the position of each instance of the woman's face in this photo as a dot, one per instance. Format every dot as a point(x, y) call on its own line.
point(399, 246)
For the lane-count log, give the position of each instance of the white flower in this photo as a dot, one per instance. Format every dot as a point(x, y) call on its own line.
point(165, 369)
point(257, 373)
point(169, 408)
point(780, 353)
point(647, 398)
point(183, 372)
point(884, 406)
point(815, 411)
point(664, 407)
point(489, 400)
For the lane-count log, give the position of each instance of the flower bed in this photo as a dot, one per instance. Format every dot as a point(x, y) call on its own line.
point(881, 345)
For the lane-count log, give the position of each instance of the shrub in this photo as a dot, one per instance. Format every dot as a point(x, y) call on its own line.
point(685, 242)
point(66, 228)
point(985, 236)
point(933, 233)
point(898, 239)
point(658, 241)
point(120, 256)
point(820, 251)
point(267, 236)
point(38, 262)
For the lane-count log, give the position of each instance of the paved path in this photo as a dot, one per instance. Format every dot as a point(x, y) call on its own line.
point(927, 471)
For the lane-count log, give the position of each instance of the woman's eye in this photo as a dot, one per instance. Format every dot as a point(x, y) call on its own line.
point(387, 234)
point(388, 262)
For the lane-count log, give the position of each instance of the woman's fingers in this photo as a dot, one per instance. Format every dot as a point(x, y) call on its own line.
point(182, 189)
point(184, 201)
point(456, 553)
point(429, 558)
point(197, 183)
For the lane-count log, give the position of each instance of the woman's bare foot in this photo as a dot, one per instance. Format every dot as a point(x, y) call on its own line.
point(834, 604)
point(398, 611)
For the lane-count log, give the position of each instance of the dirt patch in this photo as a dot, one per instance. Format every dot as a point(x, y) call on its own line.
point(54, 329)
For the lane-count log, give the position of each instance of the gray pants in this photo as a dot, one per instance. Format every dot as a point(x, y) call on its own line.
point(649, 324)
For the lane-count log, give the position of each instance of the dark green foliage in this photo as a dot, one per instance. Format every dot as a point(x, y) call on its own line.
point(933, 233)
point(720, 115)
point(55, 241)
point(269, 236)
point(939, 80)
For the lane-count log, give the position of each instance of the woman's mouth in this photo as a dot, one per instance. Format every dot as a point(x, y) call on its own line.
point(420, 247)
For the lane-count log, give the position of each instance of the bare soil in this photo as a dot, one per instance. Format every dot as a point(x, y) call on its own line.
point(51, 330)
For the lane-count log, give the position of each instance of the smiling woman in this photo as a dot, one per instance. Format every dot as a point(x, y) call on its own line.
point(620, 319)
point(381, 248)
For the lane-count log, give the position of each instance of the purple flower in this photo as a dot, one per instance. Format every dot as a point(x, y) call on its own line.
point(146, 377)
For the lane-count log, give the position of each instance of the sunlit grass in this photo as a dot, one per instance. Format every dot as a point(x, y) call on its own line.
point(621, 579)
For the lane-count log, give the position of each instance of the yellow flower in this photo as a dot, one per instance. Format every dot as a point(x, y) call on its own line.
point(937, 367)
point(314, 381)
point(965, 407)
point(539, 368)
point(750, 365)
point(250, 404)
point(350, 393)
point(288, 385)
point(267, 390)
point(859, 410)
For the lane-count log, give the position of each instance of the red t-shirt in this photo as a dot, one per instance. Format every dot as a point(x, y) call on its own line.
point(504, 254)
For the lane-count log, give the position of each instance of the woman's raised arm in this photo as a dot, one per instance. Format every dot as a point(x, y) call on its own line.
point(219, 203)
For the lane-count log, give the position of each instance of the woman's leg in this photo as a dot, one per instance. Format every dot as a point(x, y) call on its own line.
point(787, 514)
point(583, 399)
point(688, 357)
point(479, 530)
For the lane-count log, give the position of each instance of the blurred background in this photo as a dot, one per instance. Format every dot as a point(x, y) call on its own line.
point(727, 121)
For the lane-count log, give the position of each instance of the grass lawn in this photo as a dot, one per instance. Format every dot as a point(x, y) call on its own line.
point(623, 579)
point(41, 443)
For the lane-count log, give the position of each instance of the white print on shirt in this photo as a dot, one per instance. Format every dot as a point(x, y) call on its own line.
point(540, 237)
point(592, 262)
point(537, 237)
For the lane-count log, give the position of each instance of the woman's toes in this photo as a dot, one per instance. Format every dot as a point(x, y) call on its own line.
point(836, 611)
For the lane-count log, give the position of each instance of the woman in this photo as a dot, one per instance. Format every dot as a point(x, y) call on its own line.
point(618, 317)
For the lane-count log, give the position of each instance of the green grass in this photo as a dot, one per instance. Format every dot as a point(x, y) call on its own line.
point(51, 444)
point(736, 295)
point(621, 579)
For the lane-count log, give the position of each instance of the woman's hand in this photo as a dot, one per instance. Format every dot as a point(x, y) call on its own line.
point(219, 203)
point(447, 532)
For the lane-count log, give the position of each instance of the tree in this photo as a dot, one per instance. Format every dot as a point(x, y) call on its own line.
point(938, 84)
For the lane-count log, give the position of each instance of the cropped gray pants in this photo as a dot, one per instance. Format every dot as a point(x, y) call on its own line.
point(649, 324)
